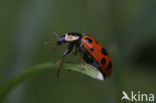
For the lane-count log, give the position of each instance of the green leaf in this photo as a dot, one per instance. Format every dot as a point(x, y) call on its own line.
point(9, 85)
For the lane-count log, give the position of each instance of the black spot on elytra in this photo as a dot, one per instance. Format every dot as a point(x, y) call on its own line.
point(88, 40)
point(103, 61)
point(92, 49)
point(104, 51)
point(109, 65)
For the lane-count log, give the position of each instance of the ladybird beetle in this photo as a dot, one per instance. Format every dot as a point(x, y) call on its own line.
point(92, 52)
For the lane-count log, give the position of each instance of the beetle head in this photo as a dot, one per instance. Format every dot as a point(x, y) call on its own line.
point(61, 40)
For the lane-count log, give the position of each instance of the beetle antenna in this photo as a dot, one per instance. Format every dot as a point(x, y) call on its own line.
point(47, 43)
point(56, 35)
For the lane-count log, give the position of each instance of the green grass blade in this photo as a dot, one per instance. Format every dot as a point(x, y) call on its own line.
point(9, 85)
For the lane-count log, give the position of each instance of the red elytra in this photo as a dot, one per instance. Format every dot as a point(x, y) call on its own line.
point(99, 53)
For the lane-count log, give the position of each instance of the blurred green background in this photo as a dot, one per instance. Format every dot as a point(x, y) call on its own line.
point(126, 28)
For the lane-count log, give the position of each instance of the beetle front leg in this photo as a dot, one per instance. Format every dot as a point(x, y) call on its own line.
point(70, 47)
point(61, 62)
point(54, 48)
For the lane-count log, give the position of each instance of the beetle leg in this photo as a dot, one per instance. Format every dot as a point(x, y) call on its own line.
point(70, 47)
point(61, 62)
point(82, 61)
point(54, 48)
point(76, 51)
